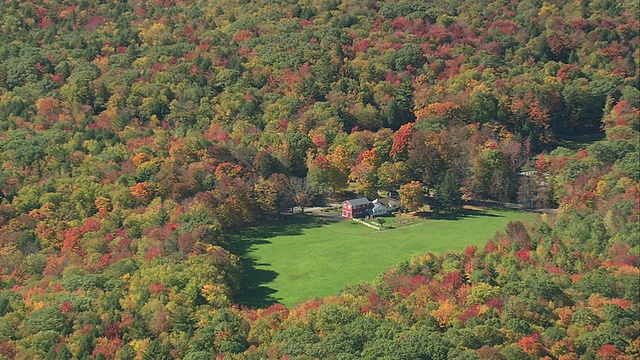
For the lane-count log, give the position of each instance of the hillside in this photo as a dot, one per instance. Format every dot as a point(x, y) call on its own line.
point(137, 137)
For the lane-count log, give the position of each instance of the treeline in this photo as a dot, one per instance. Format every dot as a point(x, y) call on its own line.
point(565, 288)
point(134, 136)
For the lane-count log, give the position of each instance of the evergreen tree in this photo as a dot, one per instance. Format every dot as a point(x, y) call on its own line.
point(156, 351)
point(448, 197)
point(64, 353)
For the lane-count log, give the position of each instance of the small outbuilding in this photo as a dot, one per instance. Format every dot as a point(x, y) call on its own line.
point(356, 208)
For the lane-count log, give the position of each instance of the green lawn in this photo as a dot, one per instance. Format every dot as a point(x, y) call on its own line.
point(306, 256)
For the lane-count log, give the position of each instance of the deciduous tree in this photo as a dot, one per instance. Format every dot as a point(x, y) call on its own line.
point(412, 196)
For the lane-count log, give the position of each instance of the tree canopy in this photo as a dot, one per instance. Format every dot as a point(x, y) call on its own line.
point(137, 136)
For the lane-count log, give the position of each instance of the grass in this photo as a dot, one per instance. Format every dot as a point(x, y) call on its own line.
point(303, 257)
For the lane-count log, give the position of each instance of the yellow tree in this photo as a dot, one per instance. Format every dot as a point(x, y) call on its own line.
point(412, 196)
point(340, 165)
point(391, 175)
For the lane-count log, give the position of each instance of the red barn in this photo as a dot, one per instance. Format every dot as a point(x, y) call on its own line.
point(356, 208)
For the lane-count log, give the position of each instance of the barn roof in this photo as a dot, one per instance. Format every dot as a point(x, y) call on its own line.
point(358, 201)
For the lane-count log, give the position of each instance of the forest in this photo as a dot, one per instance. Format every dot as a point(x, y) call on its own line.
point(137, 137)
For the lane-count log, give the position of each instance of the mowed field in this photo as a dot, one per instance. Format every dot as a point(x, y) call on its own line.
point(308, 256)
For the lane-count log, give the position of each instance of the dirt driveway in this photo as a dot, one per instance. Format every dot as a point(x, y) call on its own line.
point(328, 212)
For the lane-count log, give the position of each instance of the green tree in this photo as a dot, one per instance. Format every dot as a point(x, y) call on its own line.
point(79, 88)
point(156, 351)
point(64, 353)
point(448, 197)
point(47, 319)
point(296, 339)
point(318, 175)
point(391, 175)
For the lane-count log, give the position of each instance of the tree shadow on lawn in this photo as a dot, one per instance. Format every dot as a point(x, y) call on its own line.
point(459, 215)
point(253, 291)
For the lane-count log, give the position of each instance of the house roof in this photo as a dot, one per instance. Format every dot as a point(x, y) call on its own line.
point(358, 201)
point(389, 202)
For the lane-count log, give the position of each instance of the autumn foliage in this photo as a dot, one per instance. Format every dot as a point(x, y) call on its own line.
point(138, 138)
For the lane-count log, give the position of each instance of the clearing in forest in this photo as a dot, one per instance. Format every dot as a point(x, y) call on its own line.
point(302, 257)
